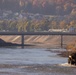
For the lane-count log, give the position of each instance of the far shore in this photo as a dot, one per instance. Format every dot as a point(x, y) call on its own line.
point(40, 41)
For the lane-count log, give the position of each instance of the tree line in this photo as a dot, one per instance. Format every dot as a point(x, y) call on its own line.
point(51, 7)
point(34, 25)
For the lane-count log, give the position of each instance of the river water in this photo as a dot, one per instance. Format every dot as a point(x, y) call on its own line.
point(34, 62)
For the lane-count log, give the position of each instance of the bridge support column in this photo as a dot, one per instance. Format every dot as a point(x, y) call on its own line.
point(61, 41)
point(22, 41)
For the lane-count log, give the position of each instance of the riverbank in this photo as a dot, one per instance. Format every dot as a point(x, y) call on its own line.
point(41, 41)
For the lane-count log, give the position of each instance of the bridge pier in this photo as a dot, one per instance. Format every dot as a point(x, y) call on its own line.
point(22, 41)
point(61, 41)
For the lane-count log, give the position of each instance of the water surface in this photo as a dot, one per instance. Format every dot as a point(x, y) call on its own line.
point(33, 62)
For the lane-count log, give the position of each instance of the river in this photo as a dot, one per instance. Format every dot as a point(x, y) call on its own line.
point(28, 61)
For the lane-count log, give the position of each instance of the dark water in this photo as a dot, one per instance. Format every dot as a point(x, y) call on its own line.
point(33, 62)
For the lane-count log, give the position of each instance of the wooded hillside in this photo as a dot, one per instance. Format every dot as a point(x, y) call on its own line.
point(52, 7)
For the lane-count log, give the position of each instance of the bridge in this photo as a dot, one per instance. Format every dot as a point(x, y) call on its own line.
point(22, 34)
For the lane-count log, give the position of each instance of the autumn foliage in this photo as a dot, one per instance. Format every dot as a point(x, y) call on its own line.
point(71, 47)
point(52, 7)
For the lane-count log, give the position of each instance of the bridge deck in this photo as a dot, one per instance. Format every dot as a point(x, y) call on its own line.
point(37, 33)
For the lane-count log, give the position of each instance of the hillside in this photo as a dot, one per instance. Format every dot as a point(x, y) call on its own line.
point(51, 7)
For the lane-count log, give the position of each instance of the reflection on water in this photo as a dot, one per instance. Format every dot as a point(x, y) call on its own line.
point(32, 62)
